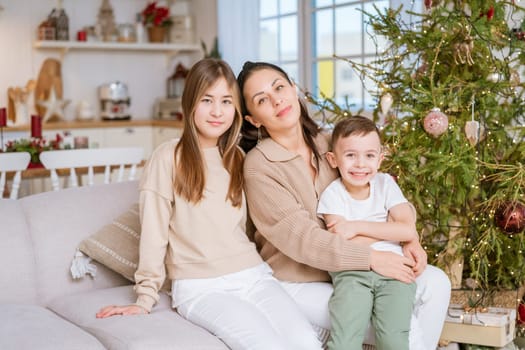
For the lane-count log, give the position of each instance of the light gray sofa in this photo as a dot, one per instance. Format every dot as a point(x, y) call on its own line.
point(43, 307)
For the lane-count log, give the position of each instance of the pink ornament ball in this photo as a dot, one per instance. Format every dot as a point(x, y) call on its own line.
point(435, 123)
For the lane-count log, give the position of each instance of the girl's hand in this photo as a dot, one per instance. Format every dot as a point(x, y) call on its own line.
point(393, 265)
point(121, 310)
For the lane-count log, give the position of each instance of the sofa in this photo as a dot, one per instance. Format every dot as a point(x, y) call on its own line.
point(43, 307)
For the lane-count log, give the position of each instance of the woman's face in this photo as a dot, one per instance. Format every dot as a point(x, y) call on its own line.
point(214, 113)
point(271, 101)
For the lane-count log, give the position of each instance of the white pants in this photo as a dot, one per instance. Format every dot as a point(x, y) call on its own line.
point(430, 306)
point(247, 310)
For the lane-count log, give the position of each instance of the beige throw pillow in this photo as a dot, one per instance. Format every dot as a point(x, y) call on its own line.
point(116, 245)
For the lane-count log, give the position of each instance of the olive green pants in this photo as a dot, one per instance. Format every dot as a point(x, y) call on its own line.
point(361, 296)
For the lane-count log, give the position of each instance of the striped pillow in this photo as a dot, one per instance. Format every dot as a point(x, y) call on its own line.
point(116, 245)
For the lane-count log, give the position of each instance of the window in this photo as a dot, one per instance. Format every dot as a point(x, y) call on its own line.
point(279, 34)
point(302, 36)
point(327, 28)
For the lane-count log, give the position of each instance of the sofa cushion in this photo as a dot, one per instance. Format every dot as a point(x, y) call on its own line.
point(116, 245)
point(17, 276)
point(163, 328)
point(59, 220)
point(34, 327)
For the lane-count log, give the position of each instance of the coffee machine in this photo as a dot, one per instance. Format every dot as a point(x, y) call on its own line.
point(114, 101)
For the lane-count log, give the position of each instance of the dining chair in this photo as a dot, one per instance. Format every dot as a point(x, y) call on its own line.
point(93, 160)
point(9, 162)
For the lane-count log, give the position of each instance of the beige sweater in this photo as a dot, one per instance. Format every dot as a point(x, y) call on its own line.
point(187, 240)
point(282, 200)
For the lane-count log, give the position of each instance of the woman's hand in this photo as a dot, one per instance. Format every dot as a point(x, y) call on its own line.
point(121, 310)
point(393, 265)
point(415, 251)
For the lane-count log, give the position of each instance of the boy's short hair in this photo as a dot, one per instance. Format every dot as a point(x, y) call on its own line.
point(354, 125)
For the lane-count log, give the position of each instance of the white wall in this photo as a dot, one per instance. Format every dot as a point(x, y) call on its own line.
point(145, 73)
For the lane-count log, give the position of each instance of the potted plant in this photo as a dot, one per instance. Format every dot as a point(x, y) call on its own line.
point(156, 19)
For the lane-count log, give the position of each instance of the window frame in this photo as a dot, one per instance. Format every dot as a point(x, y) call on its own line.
point(306, 42)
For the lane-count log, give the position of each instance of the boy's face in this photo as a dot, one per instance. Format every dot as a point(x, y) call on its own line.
point(357, 157)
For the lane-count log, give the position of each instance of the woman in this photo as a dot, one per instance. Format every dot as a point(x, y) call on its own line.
point(193, 217)
point(285, 171)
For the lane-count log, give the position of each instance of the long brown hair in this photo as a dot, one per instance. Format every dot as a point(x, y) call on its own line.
point(249, 133)
point(189, 162)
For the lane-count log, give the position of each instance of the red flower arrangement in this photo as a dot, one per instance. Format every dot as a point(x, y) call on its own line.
point(34, 146)
point(156, 16)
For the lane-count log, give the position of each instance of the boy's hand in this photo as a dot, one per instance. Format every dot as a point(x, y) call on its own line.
point(342, 227)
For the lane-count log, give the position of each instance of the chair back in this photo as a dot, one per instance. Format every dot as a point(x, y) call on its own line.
point(92, 159)
point(12, 161)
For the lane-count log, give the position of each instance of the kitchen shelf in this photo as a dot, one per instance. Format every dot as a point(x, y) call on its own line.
point(65, 46)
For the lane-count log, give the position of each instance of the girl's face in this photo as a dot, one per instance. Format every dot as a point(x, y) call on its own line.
point(214, 113)
point(271, 101)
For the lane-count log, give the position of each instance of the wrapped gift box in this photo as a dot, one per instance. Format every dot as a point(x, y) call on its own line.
point(491, 327)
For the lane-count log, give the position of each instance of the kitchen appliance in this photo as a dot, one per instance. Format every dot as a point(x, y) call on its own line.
point(168, 108)
point(114, 101)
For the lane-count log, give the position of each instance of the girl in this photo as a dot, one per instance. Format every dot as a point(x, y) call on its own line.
point(285, 172)
point(193, 217)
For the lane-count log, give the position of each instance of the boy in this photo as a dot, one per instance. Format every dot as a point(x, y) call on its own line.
point(357, 206)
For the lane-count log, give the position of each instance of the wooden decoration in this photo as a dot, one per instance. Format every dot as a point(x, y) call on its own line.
point(21, 103)
point(50, 77)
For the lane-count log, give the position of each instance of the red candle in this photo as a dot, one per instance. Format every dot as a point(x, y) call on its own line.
point(3, 117)
point(81, 35)
point(36, 126)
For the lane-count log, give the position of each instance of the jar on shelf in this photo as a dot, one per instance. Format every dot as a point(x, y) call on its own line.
point(126, 33)
point(51, 22)
point(46, 31)
point(62, 25)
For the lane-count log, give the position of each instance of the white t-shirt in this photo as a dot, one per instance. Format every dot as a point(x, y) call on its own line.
point(384, 194)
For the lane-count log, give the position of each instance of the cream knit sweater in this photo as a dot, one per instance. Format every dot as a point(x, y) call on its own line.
point(282, 200)
point(188, 240)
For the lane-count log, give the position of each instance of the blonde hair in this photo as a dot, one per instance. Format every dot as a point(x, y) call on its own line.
point(189, 163)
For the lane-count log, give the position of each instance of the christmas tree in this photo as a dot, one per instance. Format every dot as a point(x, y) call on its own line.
point(451, 104)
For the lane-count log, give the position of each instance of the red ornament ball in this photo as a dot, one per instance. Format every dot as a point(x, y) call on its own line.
point(436, 122)
point(510, 217)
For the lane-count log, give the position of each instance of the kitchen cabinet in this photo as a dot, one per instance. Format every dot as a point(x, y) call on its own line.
point(130, 136)
point(163, 133)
